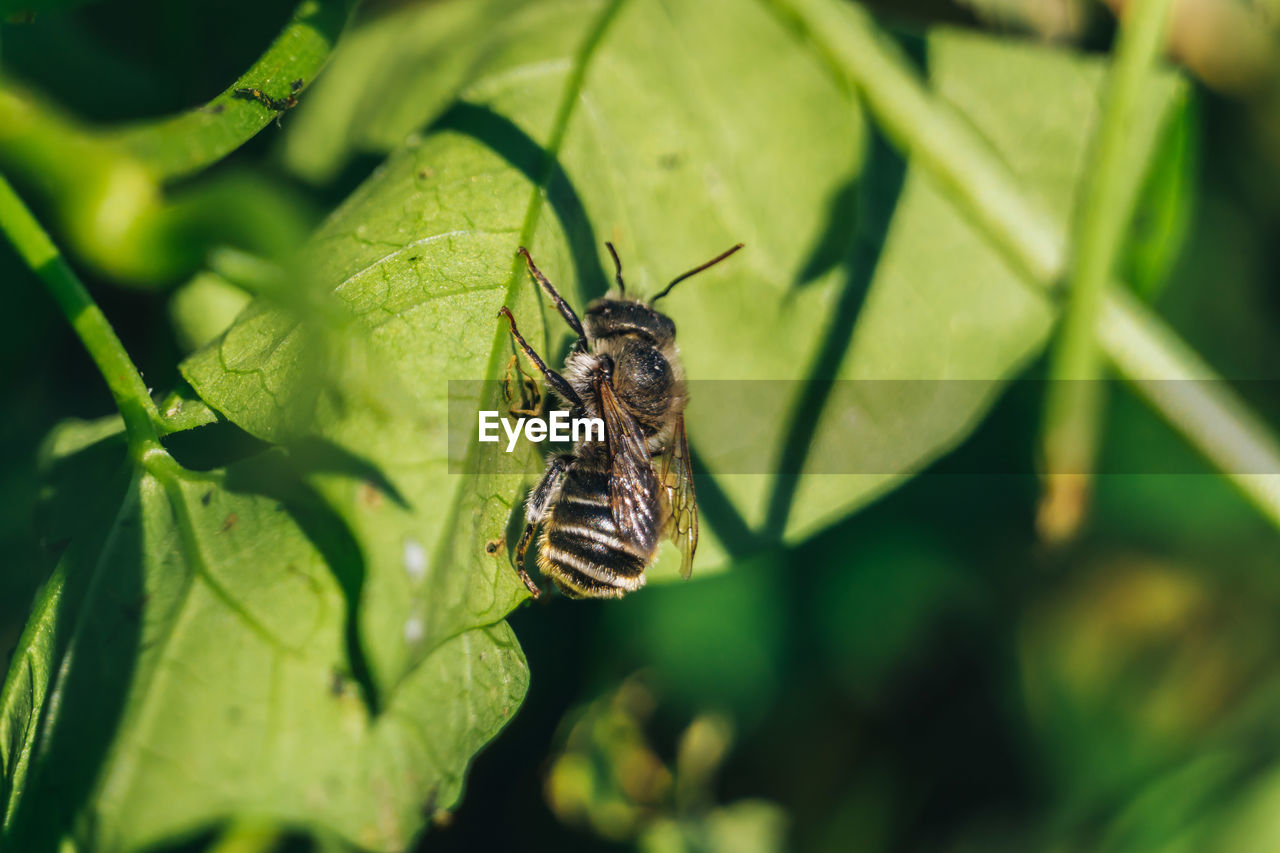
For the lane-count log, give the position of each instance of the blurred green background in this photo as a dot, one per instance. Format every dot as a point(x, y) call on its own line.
point(924, 675)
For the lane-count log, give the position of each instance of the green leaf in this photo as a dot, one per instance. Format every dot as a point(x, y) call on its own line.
point(205, 672)
point(856, 268)
point(1164, 208)
point(203, 308)
point(672, 171)
point(179, 145)
point(943, 304)
point(26, 687)
point(747, 826)
point(388, 77)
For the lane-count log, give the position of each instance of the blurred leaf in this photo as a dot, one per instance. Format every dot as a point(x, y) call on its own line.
point(1178, 811)
point(941, 302)
point(731, 625)
point(1050, 19)
point(747, 826)
point(112, 208)
point(879, 612)
point(424, 252)
point(389, 76)
point(1224, 796)
point(1125, 668)
point(1164, 207)
point(1168, 493)
point(608, 778)
point(206, 672)
point(1252, 820)
point(920, 295)
point(179, 145)
point(702, 749)
point(105, 187)
point(203, 308)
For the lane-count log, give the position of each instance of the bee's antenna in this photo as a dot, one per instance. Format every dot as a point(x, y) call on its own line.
point(617, 265)
point(717, 259)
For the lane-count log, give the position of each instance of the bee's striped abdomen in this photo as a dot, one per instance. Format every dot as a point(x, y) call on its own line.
point(580, 548)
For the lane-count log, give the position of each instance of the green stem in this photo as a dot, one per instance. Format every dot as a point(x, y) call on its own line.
point(141, 418)
point(179, 145)
point(105, 189)
point(859, 54)
point(1172, 379)
point(1191, 396)
point(1073, 406)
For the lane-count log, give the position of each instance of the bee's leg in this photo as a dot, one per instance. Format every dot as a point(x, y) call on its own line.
point(535, 512)
point(563, 307)
point(530, 397)
point(555, 380)
point(525, 539)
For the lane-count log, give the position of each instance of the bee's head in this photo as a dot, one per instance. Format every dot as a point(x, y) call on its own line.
point(609, 317)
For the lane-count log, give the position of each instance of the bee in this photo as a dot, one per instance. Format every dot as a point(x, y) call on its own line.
point(604, 505)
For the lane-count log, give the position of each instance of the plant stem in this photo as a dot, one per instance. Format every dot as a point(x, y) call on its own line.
point(105, 189)
point(1073, 408)
point(179, 145)
point(1172, 378)
point(1191, 396)
point(141, 418)
point(857, 52)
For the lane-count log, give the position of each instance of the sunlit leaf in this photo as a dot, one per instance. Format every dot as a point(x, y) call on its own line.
point(204, 671)
point(388, 78)
point(934, 299)
point(671, 172)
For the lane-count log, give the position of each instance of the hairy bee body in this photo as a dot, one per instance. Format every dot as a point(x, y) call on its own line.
point(604, 505)
point(583, 549)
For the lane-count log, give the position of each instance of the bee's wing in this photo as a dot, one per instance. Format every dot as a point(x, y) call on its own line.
point(676, 480)
point(633, 487)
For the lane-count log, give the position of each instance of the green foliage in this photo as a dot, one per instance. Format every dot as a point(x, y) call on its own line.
point(423, 252)
point(176, 146)
point(1164, 207)
point(280, 602)
point(608, 775)
point(205, 665)
point(393, 76)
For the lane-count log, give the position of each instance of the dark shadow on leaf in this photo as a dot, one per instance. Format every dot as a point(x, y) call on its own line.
point(66, 510)
point(516, 147)
point(884, 174)
point(313, 454)
point(99, 635)
point(223, 444)
point(715, 507)
point(278, 476)
point(201, 841)
point(832, 248)
point(214, 445)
